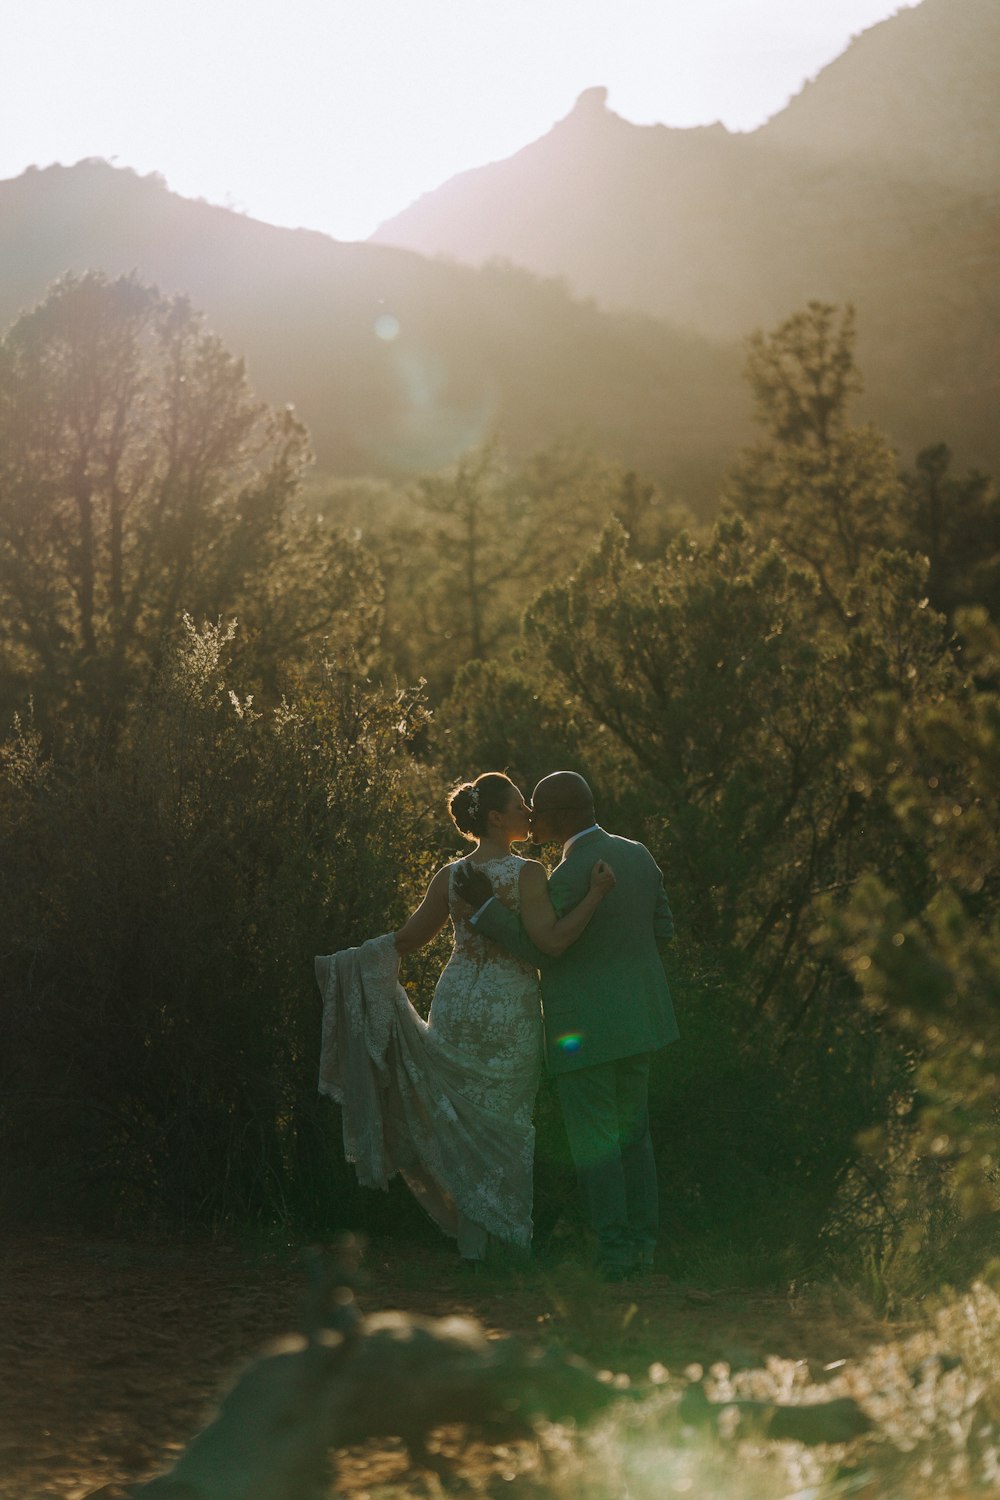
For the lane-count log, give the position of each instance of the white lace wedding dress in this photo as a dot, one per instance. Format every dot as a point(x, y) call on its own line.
point(446, 1102)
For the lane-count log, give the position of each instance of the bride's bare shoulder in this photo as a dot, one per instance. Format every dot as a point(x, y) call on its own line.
point(533, 872)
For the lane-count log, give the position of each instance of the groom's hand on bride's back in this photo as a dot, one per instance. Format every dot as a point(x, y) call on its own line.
point(472, 885)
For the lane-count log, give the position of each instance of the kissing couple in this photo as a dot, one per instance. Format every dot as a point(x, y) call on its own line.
point(561, 971)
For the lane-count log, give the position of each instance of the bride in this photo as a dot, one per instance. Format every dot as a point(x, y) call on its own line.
point(447, 1102)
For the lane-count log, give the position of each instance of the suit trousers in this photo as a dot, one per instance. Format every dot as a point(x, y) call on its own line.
point(606, 1112)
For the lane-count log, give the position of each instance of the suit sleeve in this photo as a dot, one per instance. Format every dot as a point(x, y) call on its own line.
point(498, 922)
point(565, 889)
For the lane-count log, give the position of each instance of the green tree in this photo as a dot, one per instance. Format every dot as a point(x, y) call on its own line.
point(473, 545)
point(828, 491)
point(955, 523)
point(710, 674)
point(926, 955)
point(139, 477)
point(511, 715)
point(160, 1034)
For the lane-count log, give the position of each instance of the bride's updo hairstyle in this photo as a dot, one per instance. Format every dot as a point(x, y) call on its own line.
point(471, 803)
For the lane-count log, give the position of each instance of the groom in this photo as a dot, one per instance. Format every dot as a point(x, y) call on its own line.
point(607, 1007)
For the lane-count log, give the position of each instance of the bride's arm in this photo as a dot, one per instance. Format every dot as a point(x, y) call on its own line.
point(548, 932)
point(429, 917)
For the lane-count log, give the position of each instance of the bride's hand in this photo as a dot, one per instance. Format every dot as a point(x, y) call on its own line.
point(602, 877)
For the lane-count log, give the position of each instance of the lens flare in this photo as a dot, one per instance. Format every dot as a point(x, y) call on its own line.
point(438, 417)
point(386, 327)
point(570, 1041)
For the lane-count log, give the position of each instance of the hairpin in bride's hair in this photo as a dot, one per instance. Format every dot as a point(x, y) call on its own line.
point(473, 802)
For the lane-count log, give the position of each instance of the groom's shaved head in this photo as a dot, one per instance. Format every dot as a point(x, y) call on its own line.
point(563, 790)
point(561, 804)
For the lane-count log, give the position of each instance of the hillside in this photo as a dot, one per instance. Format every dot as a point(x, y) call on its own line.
point(877, 184)
point(918, 93)
point(848, 194)
point(476, 352)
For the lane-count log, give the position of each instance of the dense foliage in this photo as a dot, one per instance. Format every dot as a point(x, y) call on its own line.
point(210, 772)
point(140, 478)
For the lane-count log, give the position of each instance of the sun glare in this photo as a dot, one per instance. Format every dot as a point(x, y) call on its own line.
point(335, 114)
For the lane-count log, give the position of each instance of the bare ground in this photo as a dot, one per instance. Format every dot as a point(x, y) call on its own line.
point(113, 1351)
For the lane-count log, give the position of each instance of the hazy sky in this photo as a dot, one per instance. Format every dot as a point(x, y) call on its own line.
point(335, 114)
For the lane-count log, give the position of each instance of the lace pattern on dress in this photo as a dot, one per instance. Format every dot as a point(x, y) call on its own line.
point(446, 1102)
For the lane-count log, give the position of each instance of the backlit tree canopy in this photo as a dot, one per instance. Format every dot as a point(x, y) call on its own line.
point(139, 478)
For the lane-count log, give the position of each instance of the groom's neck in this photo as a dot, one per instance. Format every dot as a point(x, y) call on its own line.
point(577, 824)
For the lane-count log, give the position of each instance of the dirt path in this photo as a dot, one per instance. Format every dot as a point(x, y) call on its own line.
point(112, 1352)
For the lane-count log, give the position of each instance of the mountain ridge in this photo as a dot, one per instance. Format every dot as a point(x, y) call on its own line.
point(892, 92)
point(597, 285)
point(465, 353)
point(721, 232)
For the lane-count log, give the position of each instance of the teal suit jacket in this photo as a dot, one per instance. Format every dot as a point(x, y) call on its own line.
point(607, 996)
